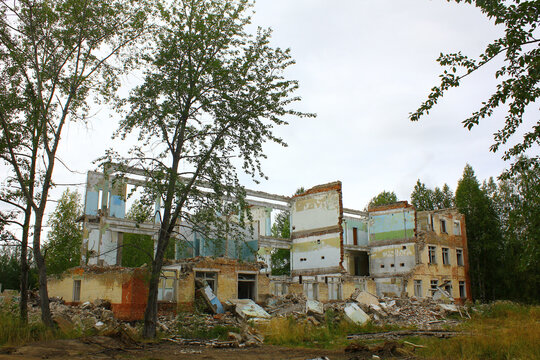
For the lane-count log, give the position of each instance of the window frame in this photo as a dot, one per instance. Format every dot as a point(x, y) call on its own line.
point(445, 256)
point(432, 254)
point(77, 285)
point(417, 288)
point(460, 260)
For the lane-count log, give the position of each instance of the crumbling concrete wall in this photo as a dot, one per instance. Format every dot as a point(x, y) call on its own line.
point(125, 288)
point(226, 270)
point(317, 233)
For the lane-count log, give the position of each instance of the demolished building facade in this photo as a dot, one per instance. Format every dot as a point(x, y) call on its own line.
point(391, 250)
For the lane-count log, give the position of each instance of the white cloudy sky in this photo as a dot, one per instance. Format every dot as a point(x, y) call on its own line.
point(363, 65)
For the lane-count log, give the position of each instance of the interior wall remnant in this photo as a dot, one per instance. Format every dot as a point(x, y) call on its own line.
point(316, 223)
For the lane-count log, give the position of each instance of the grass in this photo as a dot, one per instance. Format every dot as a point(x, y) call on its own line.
point(331, 333)
point(197, 328)
point(14, 332)
point(499, 331)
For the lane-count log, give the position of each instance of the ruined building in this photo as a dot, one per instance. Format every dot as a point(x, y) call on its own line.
point(390, 250)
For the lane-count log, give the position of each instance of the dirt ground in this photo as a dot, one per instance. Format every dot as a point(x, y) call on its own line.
point(101, 347)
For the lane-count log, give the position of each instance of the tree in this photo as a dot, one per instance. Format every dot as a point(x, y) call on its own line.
point(483, 236)
point(280, 259)
point(54, 55)
point(518, 75)
point(63, 250)
point(383, 198)
point(210, 98)
point(424, 198)
point(137, 249)
point(517, 201)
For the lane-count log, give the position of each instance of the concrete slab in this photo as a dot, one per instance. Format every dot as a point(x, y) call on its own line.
point(248, 309)
point(355, 315)
point(314, 307)
point(366, 298)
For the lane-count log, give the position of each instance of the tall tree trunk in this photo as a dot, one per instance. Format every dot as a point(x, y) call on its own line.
point(23, 304)
point(150, 314)
point(42, 272)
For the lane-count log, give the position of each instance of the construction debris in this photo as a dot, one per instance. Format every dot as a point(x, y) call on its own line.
point(355, 315)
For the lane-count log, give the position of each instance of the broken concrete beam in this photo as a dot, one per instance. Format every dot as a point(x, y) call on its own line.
point(314, 307)
point(212, 300)
point(248, 309)
point(355, 315)
point(366, 298)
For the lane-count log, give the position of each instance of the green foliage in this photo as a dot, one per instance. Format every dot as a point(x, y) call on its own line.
point(280, 258)
point(518, 74)
point(483, 237)
point(424, 198)
point(138, 249)
point(211, 93)
point(383, 198)
point(280, 261)
point(517, 203)
point(63, 250)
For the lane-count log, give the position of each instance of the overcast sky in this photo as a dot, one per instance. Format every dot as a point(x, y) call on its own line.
point(363, 65)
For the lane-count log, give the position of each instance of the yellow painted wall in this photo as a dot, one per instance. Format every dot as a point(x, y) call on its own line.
point(93, 286)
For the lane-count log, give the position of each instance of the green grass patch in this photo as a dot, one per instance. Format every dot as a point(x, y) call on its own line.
point(14, 332)
point(196, 328)
point(329, 334)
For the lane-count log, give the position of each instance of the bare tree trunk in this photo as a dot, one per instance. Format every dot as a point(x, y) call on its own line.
point(42, 272)
point(23, 304)
point(150, 313)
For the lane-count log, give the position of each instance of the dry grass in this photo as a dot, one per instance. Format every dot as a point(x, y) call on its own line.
point(502, 330)
point(331, 333)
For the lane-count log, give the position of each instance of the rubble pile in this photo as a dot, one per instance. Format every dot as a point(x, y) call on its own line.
point(362, 307)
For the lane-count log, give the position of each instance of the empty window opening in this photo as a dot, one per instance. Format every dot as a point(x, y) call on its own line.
point(443, 226)
point(247, 286)
point(446, 256)
point(432, 255)
point(404, 247)
point(391, 265)
point(167, 287)
point(207, 278)
point(457, 228)
point(448, 288)
point(382, 266)
point(418, 288)
point(322, 257)
point(434, 284)
point(431, 222)
point(355, 235)
point(360, 264)
point(402, 264)
point(318, 241)
point(462, 293)
point(459, 257)
point(300, 279)
point(76, 290)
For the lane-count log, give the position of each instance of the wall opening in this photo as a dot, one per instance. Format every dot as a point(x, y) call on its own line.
point(76, 290)
point(360, 263)
point(247, 286)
